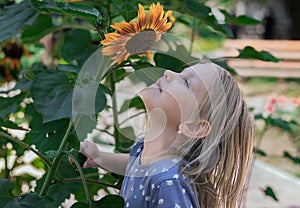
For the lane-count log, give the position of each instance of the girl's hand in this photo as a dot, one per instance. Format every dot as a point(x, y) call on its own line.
point(91, 151)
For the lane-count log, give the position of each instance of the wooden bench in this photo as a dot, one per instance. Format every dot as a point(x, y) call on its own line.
point(287, 50)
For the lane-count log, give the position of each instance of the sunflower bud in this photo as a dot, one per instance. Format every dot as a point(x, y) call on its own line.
point(81, 158)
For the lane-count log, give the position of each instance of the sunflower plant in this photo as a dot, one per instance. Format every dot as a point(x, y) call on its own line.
point(65, 91)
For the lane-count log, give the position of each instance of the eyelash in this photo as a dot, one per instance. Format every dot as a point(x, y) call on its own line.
point(186, 82)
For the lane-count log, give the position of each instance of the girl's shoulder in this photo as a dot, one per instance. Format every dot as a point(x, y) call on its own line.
point(168, 169)
point(137, 147)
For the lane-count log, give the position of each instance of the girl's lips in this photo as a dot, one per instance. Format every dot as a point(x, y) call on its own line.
point(158, 85)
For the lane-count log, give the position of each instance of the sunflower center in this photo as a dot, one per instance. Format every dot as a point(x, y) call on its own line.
point(141, 42)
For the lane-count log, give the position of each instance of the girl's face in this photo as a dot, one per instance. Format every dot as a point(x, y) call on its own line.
point(178, 95)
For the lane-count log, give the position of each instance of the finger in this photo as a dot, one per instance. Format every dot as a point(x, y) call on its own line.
point(83, 147)
point(90, 164)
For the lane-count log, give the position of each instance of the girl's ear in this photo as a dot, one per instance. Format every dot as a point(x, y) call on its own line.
point(199, 129)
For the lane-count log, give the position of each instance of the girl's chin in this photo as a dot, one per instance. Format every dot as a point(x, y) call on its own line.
point(148, 92)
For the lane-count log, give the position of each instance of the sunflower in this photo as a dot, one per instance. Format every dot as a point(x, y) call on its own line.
point(13, 51)
point(137, 37)
point(5, 74)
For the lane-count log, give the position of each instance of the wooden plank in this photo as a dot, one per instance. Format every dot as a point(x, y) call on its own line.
point(288, 55)
point(275, 45)
point(243, 63)
point(262, 72)
point(287, 50)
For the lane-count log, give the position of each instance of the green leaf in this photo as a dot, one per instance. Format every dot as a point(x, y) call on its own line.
point(280, 123)
point(250, 53)
point(20, 180)
point(135, 102)
point(240, 20)
point(259, 116)
point(31, 200)
point(269, 192)
point(6, 187)
point(259, 152)
point(168, 62)
point(110, 201)
point(60, 192)
point(55, 97)
point(23, 84)
point(80, 205)
point(14, 17)
point(207, 32)
point(38, 163)
point(5, 199)
point(128, 10)
point(52, 94)
point(147, 75)
point(9, 124)
point(201, 11)
point(295, 160)
point(126, 137)
point(51, 153)
point(31, 74)
point(68, 68)
point(41, 27)
point(224, 64)
point(85, 12)
point(175, 60)
point(120, 74)
point(198, 9)
point(85, 125)
point(44, 136)
point(10, 105)
point(89, 99)
point(77, 46)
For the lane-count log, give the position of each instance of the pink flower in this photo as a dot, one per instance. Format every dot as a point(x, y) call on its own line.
point(295, 101)
point(270, 106)
point(281, 100)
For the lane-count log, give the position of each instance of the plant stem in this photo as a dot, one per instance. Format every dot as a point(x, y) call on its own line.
point(66, 180)
point(26, 146)
point(192, 36)
point(132, 116)
point(261, 135)
point(56, 161)
point(114, 109)
point(6, 170)
point(86, 190)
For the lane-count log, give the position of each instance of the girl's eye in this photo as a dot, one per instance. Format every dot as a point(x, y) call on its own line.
point(186, 82)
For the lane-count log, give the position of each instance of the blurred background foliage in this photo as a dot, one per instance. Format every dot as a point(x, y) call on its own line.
point(44, 45)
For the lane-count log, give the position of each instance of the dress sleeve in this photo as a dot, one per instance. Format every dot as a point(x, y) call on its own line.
point(172, 194)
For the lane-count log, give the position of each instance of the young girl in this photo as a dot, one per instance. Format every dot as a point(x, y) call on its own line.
point(197, 147)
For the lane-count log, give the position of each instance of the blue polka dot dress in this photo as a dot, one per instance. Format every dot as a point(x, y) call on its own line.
point(157, 185)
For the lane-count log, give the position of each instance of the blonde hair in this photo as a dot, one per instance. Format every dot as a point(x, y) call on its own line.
point(218, 164)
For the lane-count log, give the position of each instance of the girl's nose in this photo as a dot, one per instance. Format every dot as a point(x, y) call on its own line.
point(169, 75)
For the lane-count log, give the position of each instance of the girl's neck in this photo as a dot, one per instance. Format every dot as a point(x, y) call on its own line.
point(160, 137)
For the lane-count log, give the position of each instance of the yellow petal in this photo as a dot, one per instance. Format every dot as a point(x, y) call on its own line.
point(165, 27)
point(141, 18)
point(157, 13)
point(109, 37)
point(148, 55)
point(170, 16)
point(123, 27)
point(151, 15)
